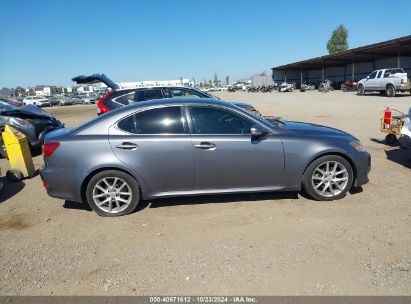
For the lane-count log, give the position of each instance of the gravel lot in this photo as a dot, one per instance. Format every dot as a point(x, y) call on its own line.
point(257, 244)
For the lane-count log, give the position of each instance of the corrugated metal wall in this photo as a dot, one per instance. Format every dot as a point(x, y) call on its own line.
point(362, 69)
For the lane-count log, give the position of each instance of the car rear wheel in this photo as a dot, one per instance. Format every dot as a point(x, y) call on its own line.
point(328, 178)
point(113, 193)
point(390, 92)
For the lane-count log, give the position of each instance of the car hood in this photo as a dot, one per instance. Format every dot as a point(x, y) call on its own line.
point(28, 111)
point(302, 128)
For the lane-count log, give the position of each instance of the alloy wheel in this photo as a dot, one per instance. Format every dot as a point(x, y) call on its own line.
point(330, 178)
point(112, 194)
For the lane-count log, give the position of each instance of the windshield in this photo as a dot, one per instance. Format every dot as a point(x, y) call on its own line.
point(4, 106)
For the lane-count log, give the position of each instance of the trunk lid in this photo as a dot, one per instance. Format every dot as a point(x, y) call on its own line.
point(96, 78)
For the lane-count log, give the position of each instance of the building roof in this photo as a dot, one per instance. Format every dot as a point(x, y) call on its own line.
point(369, 52)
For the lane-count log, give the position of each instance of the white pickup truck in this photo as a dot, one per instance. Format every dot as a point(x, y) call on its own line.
point(386, 81)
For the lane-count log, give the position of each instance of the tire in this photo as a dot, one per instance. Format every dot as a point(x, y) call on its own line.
point(14, 175)
point(390, 139)
point(129, 187)
point(390, 92)
point(360, 90)
point(323, 187)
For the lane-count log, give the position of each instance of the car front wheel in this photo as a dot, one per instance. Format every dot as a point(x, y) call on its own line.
point(360, 90)
point(328, 178)
point(112, 193)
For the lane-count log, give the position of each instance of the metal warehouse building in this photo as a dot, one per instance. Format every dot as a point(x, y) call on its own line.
point(351, 64)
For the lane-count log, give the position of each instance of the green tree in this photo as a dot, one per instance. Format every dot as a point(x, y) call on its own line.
point(338, 41)
point(181, 80)
point(263, 73)
point(227, 80)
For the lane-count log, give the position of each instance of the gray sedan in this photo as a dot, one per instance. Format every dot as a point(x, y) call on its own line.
point(173, 147)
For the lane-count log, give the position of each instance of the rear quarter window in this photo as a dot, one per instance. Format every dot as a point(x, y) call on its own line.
point(125, 99)
point(142, 95)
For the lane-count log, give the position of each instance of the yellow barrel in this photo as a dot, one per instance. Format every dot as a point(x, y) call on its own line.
point(18, 151)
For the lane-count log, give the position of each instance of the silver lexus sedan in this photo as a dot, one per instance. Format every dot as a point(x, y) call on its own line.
point(173, 147)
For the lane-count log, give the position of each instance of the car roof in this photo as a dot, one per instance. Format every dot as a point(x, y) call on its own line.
point(171, 101)
point(155, 87)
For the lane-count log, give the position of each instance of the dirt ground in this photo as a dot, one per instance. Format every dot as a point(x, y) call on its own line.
point(256, 244)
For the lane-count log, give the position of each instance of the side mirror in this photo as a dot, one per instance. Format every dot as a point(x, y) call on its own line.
point(258, 131)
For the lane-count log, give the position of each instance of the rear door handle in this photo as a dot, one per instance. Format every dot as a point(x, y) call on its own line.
point(205, 146)
point(127, 146)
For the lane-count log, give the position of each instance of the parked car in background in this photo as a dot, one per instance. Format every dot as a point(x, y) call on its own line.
point(32, 121)
point(349, 85)
point(386, 81)
point(193, 146)
point(117, 97)
point(12, 101)
point(92, 97)
point(39, 101)
point(61, 100)
point(80, 99)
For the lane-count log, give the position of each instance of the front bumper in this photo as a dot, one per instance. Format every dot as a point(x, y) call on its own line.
point(362, 163)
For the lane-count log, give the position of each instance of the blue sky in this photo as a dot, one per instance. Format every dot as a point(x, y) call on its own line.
point(49, 42)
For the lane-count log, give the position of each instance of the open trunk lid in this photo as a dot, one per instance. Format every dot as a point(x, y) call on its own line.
point(96, 78)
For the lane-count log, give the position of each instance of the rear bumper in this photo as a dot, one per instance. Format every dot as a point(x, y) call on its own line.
point(404, 87)
point(363, 167)
point(61, 183)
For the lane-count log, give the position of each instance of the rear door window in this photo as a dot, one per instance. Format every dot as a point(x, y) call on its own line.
point(150, 94)
point(167, 120)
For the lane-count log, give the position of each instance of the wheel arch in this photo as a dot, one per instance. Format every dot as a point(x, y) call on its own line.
point(390, 84)
point(343, 155)
point(86, 180)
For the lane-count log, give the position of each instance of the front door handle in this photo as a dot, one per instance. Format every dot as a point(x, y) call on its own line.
point(127, 146)
point(205, 146)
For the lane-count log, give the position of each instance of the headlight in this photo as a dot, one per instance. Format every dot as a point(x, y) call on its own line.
point(357, 146)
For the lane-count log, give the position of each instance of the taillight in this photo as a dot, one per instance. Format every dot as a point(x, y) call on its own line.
point(49, 148)
point(101, 108)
